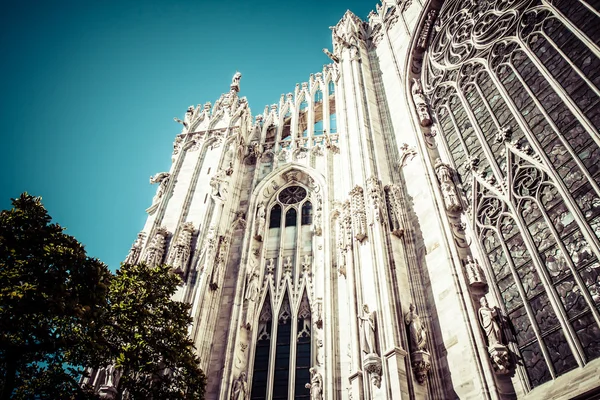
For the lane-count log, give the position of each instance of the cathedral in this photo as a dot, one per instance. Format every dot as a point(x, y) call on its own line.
point(420, 219)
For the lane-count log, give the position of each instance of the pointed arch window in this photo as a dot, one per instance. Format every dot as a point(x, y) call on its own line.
point(291, 218)
point(261, 354)
point(282, 351)
point(303, 340)
point(307, 213)
point(275, 220)
point(525, 113)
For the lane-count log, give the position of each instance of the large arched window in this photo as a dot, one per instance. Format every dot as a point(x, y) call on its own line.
point(282, 353)
point(517, 101)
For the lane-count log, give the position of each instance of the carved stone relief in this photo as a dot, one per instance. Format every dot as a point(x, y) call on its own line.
point(181, 251)
point(420, 357)
point(396, 212)
point(359, 218)
point(156, 249)
point(444, 174)
point(420, 103)
point(134, 253)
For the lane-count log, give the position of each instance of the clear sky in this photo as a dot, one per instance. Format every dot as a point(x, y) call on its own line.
point(89, 89)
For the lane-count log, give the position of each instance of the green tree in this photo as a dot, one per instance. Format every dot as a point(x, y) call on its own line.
point(51, 296)
point(61, 310)
point(149, 333)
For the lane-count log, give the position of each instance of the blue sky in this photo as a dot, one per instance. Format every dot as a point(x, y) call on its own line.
point(89, 89)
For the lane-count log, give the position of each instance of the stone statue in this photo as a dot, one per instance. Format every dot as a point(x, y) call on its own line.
point(252, 289)
point(134, 253)
point(235, 82)
point(218, 184)
point(315, 385)
point(260, 221)
point(447, 187)
point(181, 251)
point(240, 388)
point(162, 178)
point(420, 103)
point(367, 322)
point(488, 318)
point(474, 273)
point(416, 330)
point(156, 250)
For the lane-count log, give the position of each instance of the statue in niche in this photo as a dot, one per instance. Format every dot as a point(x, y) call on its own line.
point(447, 187)
point(134, 253)
point(420, 103)
point(261, 220)
point(474, 273)
point(252, 289)
point(218, 184)
point(417, 332)
point(488, 318)
point(162, 178)
point(315, 385)
point(156, 250)
point(240, 388)
point(180, 254)
point(367, 322)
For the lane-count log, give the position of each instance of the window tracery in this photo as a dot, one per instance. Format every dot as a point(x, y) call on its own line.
point(287, 263)
point(515, 89)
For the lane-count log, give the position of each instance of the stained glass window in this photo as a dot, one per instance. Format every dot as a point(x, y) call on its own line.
point(515, 88)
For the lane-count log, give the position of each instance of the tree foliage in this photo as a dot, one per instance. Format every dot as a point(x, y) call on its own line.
point(61, 310)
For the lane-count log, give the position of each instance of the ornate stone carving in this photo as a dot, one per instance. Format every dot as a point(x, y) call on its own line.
point(180, 253)
point(239, 390)
point(500, 358)
point(329, 54)
point(504, 134)
point(252, 288)
point(420, 103)
point(235, 82)
point(416, 330)
point(421, 364)
point(406, 154)
point(134, 253)
point(488, 318)
point(329, 145)
point(395, 208)
point(444, 174)
point(368, 328)
point(270, 266)
point(318, 220)
point(287, 266)
point(474, 273)
point(177, 146)
point(426, 30)
point(260, 221)
point(306, 264)
point(219, 263)
point(359, 218)
point(372, 366)
point(376, 196)
point(420, 357)
point(156, 249)
point(315, 385)
point(162, 178)
point(490, 323)
point(219, 184)
point(284, 155)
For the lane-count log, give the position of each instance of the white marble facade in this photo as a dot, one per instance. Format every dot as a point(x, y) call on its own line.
point(335, 246)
